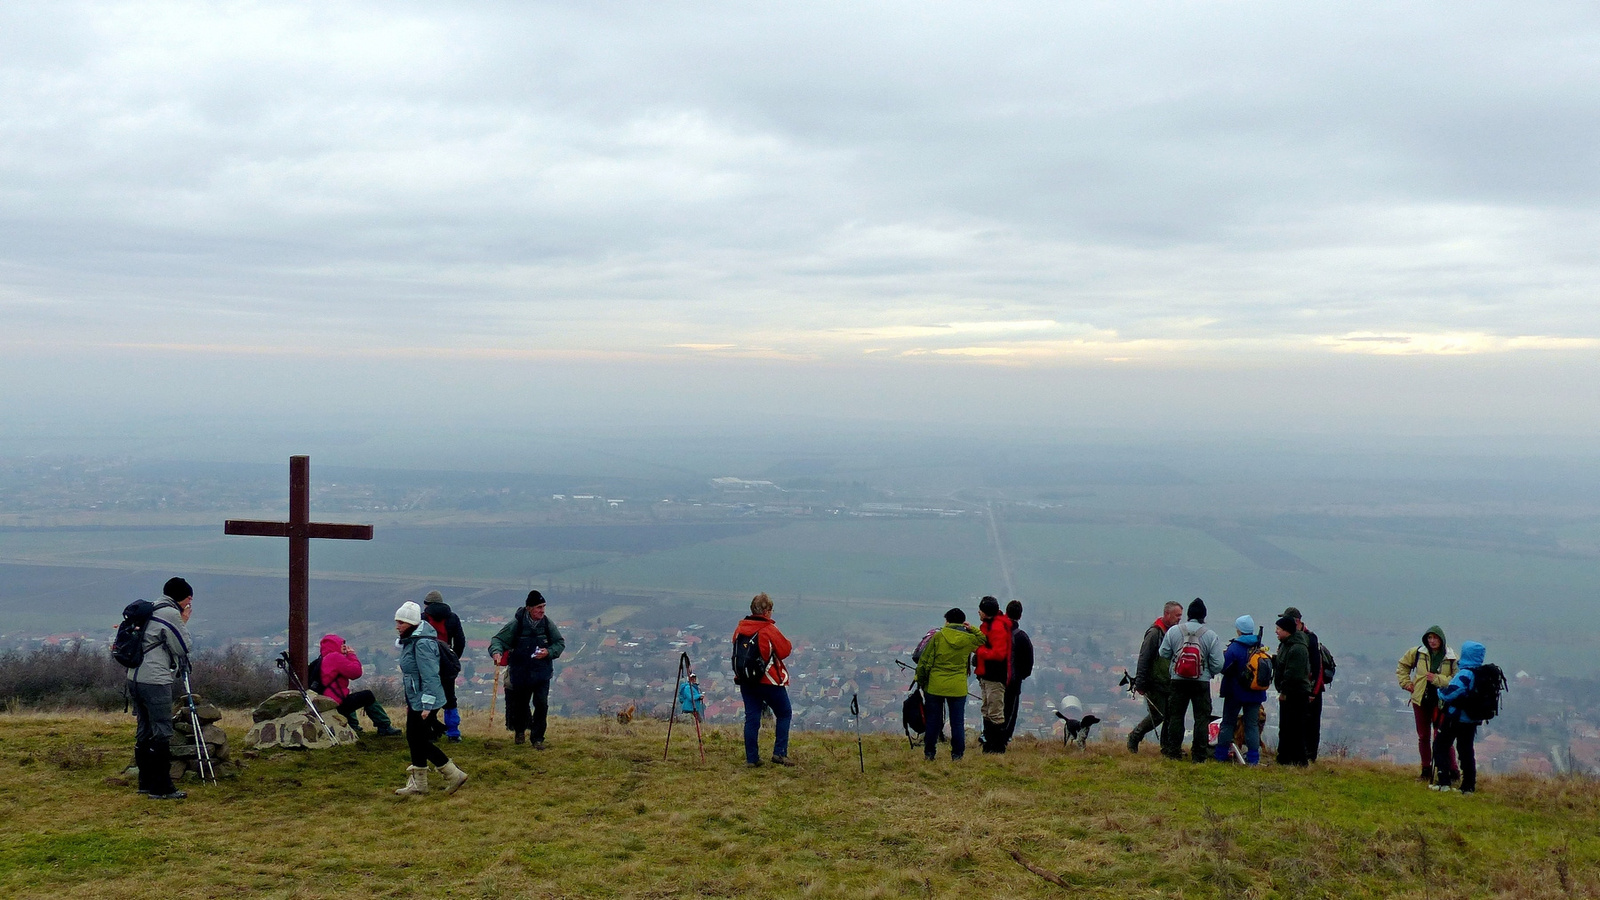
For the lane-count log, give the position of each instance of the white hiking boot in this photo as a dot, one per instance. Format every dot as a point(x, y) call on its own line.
point(454, 778)
point(416, 781)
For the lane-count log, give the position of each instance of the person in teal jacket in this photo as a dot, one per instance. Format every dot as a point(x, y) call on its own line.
point(691, 699)
point(942, 674)
point(419, 676)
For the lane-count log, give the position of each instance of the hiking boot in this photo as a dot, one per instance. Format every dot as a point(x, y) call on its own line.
point(390, 731)
point(1427, 773)
point(1439, 787)
point(538, 745)
point(753, 763)
point(454, 778)
point(782, 761)
point(416, 781)
point(175, 795)
point(1133, 741)
point(519, 738)
point(453, 738)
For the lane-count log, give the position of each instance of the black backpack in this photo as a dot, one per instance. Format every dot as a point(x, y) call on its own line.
point(127, 647)
point(1328, 665)
point(314, 676)
point(1482, 702)
point(913, 714)
point(748, 665)
point(449, 665)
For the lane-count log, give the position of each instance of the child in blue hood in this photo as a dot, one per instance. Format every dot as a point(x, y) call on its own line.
point(1459, 727)
point(1238, 698)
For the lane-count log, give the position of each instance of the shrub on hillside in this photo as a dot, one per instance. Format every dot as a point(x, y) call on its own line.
point(79, 677)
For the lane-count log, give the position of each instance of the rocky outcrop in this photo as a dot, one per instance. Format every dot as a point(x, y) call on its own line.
point(185, 755)
point(283, 720)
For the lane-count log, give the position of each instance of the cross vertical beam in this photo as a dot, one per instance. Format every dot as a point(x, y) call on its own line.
point(299, 530)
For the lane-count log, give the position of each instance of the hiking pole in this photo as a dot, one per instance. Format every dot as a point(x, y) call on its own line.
point(283, 663)
point(495, 698)
point(202, 754)
point(683, 663)
point(855, 710)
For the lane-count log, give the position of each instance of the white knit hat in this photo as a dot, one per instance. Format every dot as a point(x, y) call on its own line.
point(409, 613)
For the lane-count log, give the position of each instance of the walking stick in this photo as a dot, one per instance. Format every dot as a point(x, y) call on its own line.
point(283, 663)
point(495, 697)
point(202, 753)
point(683, 666)
point(855, 710)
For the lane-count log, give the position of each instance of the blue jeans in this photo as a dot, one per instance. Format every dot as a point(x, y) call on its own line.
point(933, 714)
point(1231, 710)
point(776, 698)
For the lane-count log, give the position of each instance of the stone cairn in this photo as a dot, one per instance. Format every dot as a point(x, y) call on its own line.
point(185, 758)
point(282, 720)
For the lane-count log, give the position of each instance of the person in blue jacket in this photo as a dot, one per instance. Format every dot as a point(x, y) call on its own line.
point(691, 699)
point(1238, 698)
point(419, 678)
point(1459, 727)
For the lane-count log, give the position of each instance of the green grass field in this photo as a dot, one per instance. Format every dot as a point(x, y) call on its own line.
point(601, 815)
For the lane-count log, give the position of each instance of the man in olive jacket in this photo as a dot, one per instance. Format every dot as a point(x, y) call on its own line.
point(942, 672)
point(1151, 676)
point(1291, 675)
point(529, 644)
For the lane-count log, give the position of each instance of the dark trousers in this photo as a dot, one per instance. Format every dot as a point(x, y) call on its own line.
point(519, 717)
point(420, 737)
point(1155, 704)
point(1427, 733)
point(1185, 694)
point(152, 742)
point(1013, 707)
point(1460, 735)
point(1232, 710)
point(1313, 728)
point(1292, 715)
point(933, 712)
point(776, 698)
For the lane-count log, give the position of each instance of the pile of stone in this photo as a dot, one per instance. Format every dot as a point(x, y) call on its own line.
point(185, 756)
point(283, 720)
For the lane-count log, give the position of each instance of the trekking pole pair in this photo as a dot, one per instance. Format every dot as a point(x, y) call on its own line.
point(283, 663)
point(855, 710)
point(684, 670)
point(202, 753)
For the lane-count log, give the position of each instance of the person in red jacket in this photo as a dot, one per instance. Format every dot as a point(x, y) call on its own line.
point(994, 671)
point(334, 670)
point(771, 691)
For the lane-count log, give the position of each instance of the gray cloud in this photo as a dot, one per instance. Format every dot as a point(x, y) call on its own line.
point(806, 180)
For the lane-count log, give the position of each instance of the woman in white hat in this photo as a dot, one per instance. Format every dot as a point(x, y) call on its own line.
point(419, 670)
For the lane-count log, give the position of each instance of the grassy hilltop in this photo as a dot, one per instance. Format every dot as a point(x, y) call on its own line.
point(601, 815)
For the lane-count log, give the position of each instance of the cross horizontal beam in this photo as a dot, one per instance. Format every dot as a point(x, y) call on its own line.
point(257, 528)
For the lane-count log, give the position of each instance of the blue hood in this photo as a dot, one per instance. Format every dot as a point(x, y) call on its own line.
point(1248, 639)
point(1471, 654)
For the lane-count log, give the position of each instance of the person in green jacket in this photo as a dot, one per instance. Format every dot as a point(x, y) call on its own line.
point(1291, 675)
point(942, 674)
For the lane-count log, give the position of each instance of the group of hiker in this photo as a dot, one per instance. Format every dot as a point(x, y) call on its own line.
point(1179, 657)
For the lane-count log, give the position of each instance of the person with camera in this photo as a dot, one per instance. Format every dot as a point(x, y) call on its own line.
point(529, 644)
point(419, 671)
point(331, 675)
point(166, 655)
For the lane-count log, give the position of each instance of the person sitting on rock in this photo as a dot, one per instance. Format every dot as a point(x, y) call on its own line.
point(335, 669)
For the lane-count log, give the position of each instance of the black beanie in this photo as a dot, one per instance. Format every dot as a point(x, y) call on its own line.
point(178, 589)
point(989, 606)
point(1197, 610)
point(1014, 610)
point(1289, 624)
point(534, 599)
point(955, 616)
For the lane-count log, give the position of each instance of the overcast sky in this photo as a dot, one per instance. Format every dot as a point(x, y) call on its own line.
point(1222, 211)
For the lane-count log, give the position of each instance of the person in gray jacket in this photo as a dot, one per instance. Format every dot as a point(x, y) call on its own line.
point(1194, 654)
point(419, 677)
point(166, 654)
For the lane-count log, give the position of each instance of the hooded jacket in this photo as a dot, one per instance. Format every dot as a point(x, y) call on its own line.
point(518, 639)
point(774, 647)
point(994, 657)
point(1414, 669)
point(1461, 685)
point(1210, 648)
point(1233, 670)
point(1291, 668)
point(691, 700)
point(448, 625)
point(419, 668)
point(337, 668)
point(166, 645)
point(945, 663)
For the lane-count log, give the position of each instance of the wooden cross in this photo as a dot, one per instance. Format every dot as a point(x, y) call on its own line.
point(299, 530)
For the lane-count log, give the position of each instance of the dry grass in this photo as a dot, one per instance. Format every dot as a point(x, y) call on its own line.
point(600, 815)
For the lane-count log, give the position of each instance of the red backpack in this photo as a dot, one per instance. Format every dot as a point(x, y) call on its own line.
point(1189, 662)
